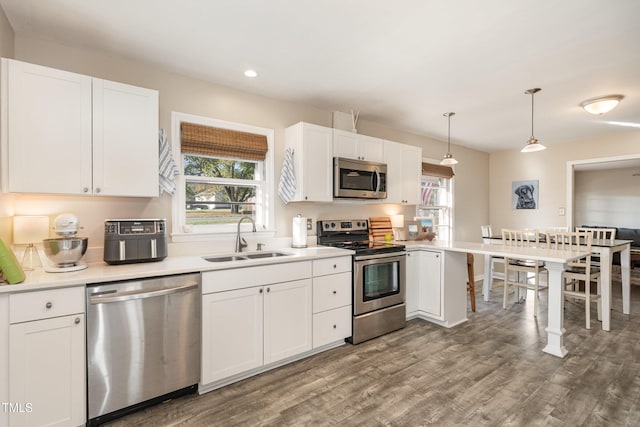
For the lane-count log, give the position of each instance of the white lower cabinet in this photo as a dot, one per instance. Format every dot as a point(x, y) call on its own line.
point(47, 358)
point(287, 320)
point(247, 328)
point(231, 333)
point(431, 283)
point(436, 286)
point(256, 317)
point(412, 283)
point(332, 308)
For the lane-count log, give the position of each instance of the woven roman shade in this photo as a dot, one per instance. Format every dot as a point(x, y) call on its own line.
point(217, 142)
point(439, 171)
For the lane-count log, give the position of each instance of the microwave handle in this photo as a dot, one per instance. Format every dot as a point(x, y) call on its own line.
point(377, 179)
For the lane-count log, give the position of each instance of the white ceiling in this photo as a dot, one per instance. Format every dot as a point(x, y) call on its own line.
point(400, 63)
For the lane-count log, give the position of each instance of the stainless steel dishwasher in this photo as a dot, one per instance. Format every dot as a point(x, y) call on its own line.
point(143, 343)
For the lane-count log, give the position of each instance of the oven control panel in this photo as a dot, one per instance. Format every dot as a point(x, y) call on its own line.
point(343, 225)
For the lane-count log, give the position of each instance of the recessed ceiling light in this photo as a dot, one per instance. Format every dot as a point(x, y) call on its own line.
point(251, 73)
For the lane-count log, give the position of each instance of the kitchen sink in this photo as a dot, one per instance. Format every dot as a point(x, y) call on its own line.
point(226, 258)
point(245, 257)
point(259, 255)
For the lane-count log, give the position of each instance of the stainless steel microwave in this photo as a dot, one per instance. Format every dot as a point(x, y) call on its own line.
point(359, 179)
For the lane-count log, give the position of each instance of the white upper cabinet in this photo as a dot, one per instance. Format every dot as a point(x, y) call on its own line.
point(67, 133)
point(355, 146)
point(312, 162)
point(46, 129)
point(404, 164)
point(125, 139)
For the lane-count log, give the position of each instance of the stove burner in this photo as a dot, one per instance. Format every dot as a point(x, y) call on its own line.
point(352, 235)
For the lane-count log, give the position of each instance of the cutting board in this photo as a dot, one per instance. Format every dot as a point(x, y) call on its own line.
point(379, 227)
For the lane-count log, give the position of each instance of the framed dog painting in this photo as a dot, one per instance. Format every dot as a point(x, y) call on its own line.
point(524, 194)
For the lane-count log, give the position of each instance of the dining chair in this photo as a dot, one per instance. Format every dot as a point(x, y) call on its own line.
point(600, 235)
point(580, 270)
point(471, 283)
point(486, 235)
point(603, 235)
point(519, 273)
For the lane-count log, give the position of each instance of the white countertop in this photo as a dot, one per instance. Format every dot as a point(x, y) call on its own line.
point(540, 254)
point(102, 272)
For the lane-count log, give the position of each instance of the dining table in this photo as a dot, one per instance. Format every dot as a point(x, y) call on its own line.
point(605, 249)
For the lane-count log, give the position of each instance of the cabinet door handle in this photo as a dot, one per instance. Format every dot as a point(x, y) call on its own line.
point(335, 292)
point(85, 190)
point(268, 289)
point(260, 290)
point(48, 305)
point(334, 327)
point(77, 321)
point(97, 190)
point(335, 266)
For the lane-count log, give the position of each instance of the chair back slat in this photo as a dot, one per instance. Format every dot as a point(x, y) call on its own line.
point(600, 235)
point(486, 230)
point(520, 238)
point(573, 241)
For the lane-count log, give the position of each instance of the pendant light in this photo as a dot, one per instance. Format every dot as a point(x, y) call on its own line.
point(533, 144)
point(448, 158)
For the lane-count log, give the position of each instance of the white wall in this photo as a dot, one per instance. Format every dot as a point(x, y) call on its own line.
point(7, 42)
point(550, 168)
point(193, 96)
point(607, 197)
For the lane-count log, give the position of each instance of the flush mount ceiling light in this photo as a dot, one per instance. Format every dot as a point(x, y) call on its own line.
point(251, 73)
point(448, 158)
point(533, 144)
point(601, 105)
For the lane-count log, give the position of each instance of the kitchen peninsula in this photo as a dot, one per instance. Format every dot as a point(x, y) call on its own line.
point(451, 286)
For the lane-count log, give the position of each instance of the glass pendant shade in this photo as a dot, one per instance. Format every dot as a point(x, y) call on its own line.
point(533, 144)
point(448, 158)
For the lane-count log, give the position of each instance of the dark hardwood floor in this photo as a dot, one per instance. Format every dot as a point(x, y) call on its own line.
point(488, 371)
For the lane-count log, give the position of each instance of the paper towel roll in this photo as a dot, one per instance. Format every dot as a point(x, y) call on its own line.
point(299, 237)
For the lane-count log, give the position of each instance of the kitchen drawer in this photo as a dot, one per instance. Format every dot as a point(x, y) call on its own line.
point(238, 278)
point(331, 291)
point(331, 265)
point(27, 306)
point(331, 326)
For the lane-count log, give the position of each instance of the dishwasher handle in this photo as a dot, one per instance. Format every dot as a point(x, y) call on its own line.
point(134, 295)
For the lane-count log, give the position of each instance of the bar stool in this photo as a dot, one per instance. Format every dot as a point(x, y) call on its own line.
point(471, 285)
point(486, 235)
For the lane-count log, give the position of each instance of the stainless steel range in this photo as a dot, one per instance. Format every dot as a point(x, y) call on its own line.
point(378, 277)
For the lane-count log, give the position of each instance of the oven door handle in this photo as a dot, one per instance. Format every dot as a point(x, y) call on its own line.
point(379, 256)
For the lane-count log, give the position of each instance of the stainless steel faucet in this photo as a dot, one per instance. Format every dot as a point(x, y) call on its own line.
point(240, 242)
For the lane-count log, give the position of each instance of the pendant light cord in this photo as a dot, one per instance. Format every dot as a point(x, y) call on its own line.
point(449, 134)
point(532, 93)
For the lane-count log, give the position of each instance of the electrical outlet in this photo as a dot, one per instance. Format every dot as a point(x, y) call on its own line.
point(561, 211)
point(309, 224)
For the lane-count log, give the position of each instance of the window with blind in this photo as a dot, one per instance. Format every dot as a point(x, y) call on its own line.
point(436, 201)
point(226, 174)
